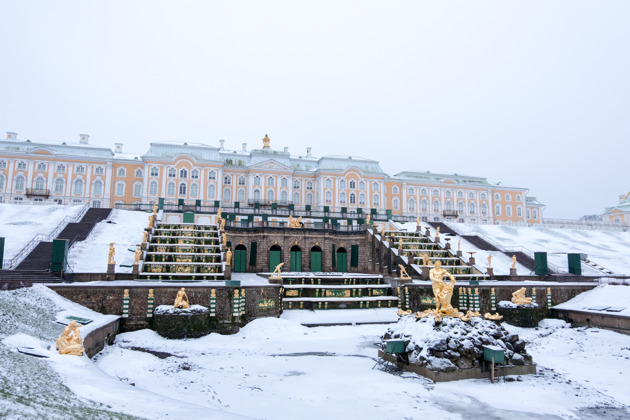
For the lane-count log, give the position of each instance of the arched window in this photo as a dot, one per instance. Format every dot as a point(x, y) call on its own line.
point(376, 186)
point(79, 169)
point(448, 206)
point(270, 182)
point(342, 198)
point(227, 180)
point(497, 210)
point(60, 183)
point(270, 195)
point(256, 194)
point(423, 191)
point(519, 197)
point(535, 214)
point(77, 188)
point(395, 190)
point(212, 191)
point(284, 196)
point(138, 173)
point(376, 200)
point(328, 183)
point(411, 191)
point(120, 188)
point(296, 183)
point(170, 188)
point(342, 184)
point(447, 193)
point(484, 209)
point(2, 181)
point(256, 180)
point(471, 208)
point(436, 192)
point(137, 189)
point(497, 197)
point(411, 204)
point(227, 195)
point(309, 185)
point(194, 190)
point(98, 187)
point(519, 211)
point(328, 197)
point(353, 198)
point(182, 188)
point(508, 197)
point(153, 188)
point(212, 175)
point(121, 172)
point(483, 196)
point(436, 206)
point(529, 214)
point(183, 173)
point(40, 183)
point(471, 195)
point(309, 199)
point(241, 180)
point(41, 167)
point(154, 171)
point(61, 168)
point(296, 198)
point(424, 205)
point(353, 184)
point(240, 195)
point(21, 166)
point(194, 174)
point(362, 199)
point(508, 210)
point(3, 164)
point(172, 172)
point(361, 185)
point(283, 182)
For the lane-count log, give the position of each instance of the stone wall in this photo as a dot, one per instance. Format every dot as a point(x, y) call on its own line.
point(305, 239)
point(109, 300)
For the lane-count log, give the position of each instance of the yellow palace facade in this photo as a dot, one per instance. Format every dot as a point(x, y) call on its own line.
point(79, 173)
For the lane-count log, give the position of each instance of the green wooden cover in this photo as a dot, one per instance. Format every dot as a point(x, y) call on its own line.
point(198, 203)
point(250, 217)
point(217, 203)
point(161, 203)
point(265, 217)
point(359, 210)
point(360, 221)
point(344, 209)
point(540, 264)
point(252, 253)
point(389, 214)
point(291, 206)
point(59, 253)
point(575, 264)
point(296, 261)
point(326, 209)
point(308, 207)
point(240, 261)
point(189, 217)
point(325, 219)
point(1, 251)
point(274, 259)
point(354, 255)
point(256, 205)
point(237, 205)
point(342, 262)
point(180, 201)
point(274, 206)
point(244, 222)
point(373, 211)
point(316, 261)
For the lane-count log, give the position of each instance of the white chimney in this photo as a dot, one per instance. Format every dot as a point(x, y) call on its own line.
point(244, 147)
point(222, 142)
point(308, 151)
point(286, 149)
point(118, 147)
point(83, 138)
point(11, 135)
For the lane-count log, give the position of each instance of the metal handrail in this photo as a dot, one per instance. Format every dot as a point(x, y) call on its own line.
point(10, 264)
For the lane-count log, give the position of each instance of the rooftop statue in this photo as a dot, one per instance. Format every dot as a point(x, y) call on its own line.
point(69, 342)
point(518, 297)
point(181, 301)
point(266, 141)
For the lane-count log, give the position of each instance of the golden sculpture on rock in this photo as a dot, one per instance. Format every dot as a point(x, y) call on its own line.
point(400, 244)
point(295, 223)
point(219, 213)
point(519, 298)
point(418, 221)
point(443, 291)
point(403, 273)
point(181, 301)
point(367, 220)
point(69, 342)
point(276, 273)
point(495, 317)
point(112, 253)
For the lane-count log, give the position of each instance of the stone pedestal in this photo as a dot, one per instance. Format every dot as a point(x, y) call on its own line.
point(410, 259)
point(437, 239)
point(471, 261)
point(227, 272)
point(513, 274)
point(525, 316)
point(181, 323)
point(111, 268)
point(275, 281)
point(134, 269)
point(418, 229)
point(459, 253)
point(490, 272)
point(425, 272)
point(427, 232)
point(447, 246)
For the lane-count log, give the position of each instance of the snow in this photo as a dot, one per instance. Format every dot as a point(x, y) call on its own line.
point(124, 227)
point(277, 368)
point(20, 223)
point(602, 296)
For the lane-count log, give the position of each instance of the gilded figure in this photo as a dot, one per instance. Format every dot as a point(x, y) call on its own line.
point(112, 253)
point(70, 342)
point(181, 301)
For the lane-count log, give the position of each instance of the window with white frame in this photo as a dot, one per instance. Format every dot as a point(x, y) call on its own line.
point(241, 180)
point(376, 186)
point(484, 209)
point(395, 203)
point(362, 199)
point(352, 184)
point(270, 196)
point(270, 182)
point(471, 195)
point(154, 171)
point(309, 185)
point(170, 188)
point(471, 208)
point(328, 197)
point(460, 194)
point(183, 173)
point(483, 196)
point(40, 183)
point(423, 191)
point(20, 182)
point(137, 189)
point(41, 167)
point(194, 174)
point(535, 214)
point(120, 188)
point(257, 195)
point(139, 173)
point(361, 185)
point(97, 189)
point(284, 196)
point(395, 190)
point(227, 180)
point(436, 192)
point(122, 172)
point(411, 191)
point(447, 193)
point(508, 210)
point(508, 197)
point(283, 182)
point(227, 195)
point(497, 197)
point(436, 206)
point(2, 181)
point(424, 205)
point(296, 183)
point(353, 198)
point(296, 198)
point(460, 207)
point(497, 210)
point(182, 188)
point(153, 188)
point(79, 169)
point(60, 183)
point(309, 199)
point(448, 205)
point(3, 164)
point(376, 200)
point(212, 175)
point(328, 183)
point(61, 168)
point(342, 198)
point(21, 166)
point(212, 191)
point(529, 214)
point(99, 170)
point(194, 190)
point(411, 204)
point(519, 198)
point(342, 184)
point(519, 211)
point(172, 173)
point(256, 180)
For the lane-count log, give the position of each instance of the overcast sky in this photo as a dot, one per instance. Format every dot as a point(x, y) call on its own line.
point(533, 94)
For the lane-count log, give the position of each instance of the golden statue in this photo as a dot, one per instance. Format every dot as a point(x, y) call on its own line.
point(418, 221)
point(112, 253)
point(437, 234)
point(276, 273)
point(518, 297)
point(382, 231)
point(151, 222)
point(403, 313)
point(367, 220)
point(295, 223)
point(266, 141)
point(155, 209)
point(400, 244)
point(513, 261)
point(495, 317)
point(181, 301)
point(489, 260)
point(442, 291)
point(69, 342)
point(221, 224)
point(137, 255)
point(219, 213)
point(425, 259)
point(145, 237)
point(228, 257)
point(459, 245)
point(403, 273)
point(224, 239)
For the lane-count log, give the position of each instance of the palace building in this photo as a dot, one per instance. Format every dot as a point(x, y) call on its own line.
point(619, 213)
point(199, 174)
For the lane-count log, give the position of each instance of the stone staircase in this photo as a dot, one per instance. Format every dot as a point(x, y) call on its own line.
point(337, 291)
point(183, 252)
point(39, 258)
point(12, 279)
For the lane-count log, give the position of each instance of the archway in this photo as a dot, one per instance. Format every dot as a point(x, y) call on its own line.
point(316, 259)
point(342, 260)
point(240, 259)
point(296, 258)
point(275, 257)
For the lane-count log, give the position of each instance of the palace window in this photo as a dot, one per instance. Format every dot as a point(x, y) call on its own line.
point(257, 195)
point(519, 197)
point(424, 205)
point(309, 185)
point(484, 209)
point(172, 172)
point(283, 182)
point(508, 210)
point(508, 197)
point(296, 183)
point(447, 193)
point(61, 168)
point(497, 210)
point(436, 192)
point(59, 185)
point(460, 207)
point(3, 164)
point(395, 190)
point(241, 181)
point(270, 195)
point(19, 183)
point(270, 182)
point(460, 194)
point(137, 189)
point(352, 184)
point(138, 173)
point(182, 188)
point(79, 170)
point(227, 180)
point(328, 183)
point(154, 171)
point(120, 188)
point(448, 206)
point(194, 174)
point(529, 214)
point(411, 204)
point(535, 213)
point(342, 198)
point(411, 191)
point(194, 190)
point(296, 198)
point(436, 206)
point(227, 195)
point(121, 172)
point(395, 203)
point(328, 196)
point(483, 196)
point(183, 173)
point(423, 191)
point(376, 200)
point(376, 186)
point(240, 195)
point(309, 199)
point(41, 167)
point(361, 185)
point(353, 199)
point(342, 184)
point(471, 208)
point(497, 197)
point(256, 180)
point(212, 175)
point(212, 191)
point(284, 196)
point(153, 188)
point(471, 195)
point(2, 181)
point(362, 199)
point(40, 183)
point(519, 211)
point(21, 166)
point(170, 188)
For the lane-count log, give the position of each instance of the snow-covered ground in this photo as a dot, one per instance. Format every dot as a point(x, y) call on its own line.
point(20, 223)
point(124, 228)
point(276, 368)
